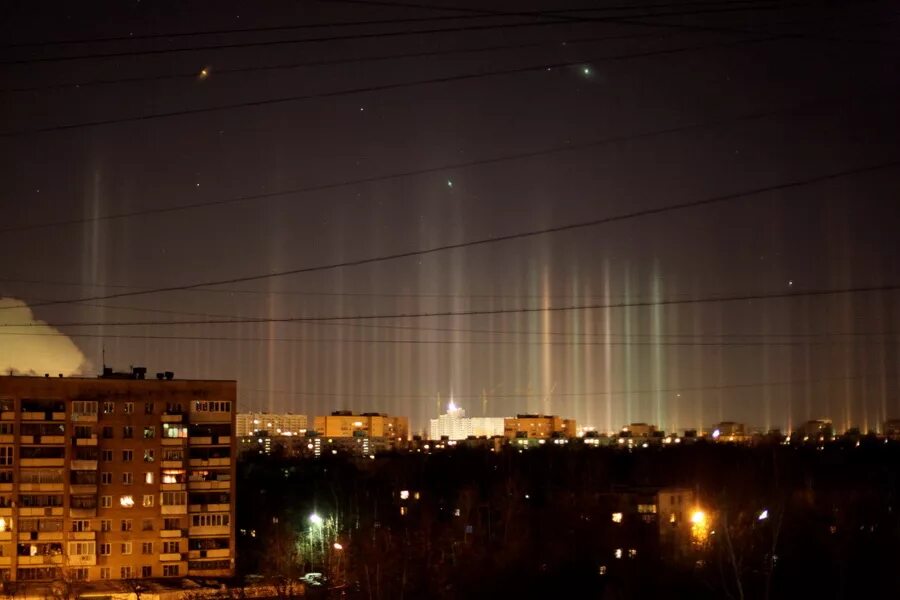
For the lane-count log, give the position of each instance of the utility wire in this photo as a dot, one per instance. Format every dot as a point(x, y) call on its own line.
point(574, 394)
point(382, 87)
point(555, 22)
point(491, 312)
point(709, 201)
point(338, 24)
point(468, 342)
point(605, 141)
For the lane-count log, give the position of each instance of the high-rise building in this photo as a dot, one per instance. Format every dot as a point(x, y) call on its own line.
point(285, 424)
point(454, 425)
point(118, 477)
point(539, 427)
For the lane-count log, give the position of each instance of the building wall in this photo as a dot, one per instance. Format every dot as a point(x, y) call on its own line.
point(538, 426)
point(275, 424)
point(116, 478)
point(373, 426)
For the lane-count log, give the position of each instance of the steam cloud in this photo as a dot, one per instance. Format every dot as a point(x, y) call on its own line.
point(43, 350)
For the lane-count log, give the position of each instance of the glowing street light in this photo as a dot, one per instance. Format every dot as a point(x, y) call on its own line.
point(316, 520)
point(699, 527)
point(338, 546)
point(763, 515)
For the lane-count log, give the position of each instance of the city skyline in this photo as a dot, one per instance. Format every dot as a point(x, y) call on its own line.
point(681, 219)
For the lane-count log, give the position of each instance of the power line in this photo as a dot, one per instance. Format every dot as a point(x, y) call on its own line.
point(219, 71)
point(493, 312)
point(720, 199)
point(381, 88)
point(468, 342)
point(437, 169)
point(557, 20)
point(571, 394)
point(337, 24)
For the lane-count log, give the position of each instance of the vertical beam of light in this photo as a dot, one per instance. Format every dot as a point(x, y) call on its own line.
point(697, 368)
point(720, 369)
point(766, 371)
point(607, 349)
point(572, 361)
point(546, 349)
point(656, 316)
point(629, 350)
point(534, 363)
point(91, 250)
point(586, 372)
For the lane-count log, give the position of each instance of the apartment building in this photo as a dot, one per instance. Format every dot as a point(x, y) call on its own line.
point(539, 427)
point(116, 477)
point(364, 433)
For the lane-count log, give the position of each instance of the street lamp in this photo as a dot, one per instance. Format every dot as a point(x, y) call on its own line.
point(316, 520)
point(338, 546)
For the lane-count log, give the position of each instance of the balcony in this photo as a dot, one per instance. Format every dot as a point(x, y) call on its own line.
point(82, 535)
point(170, 557)
point(43, 462)
point(56, 559)
point(91, 441)
point(211, 462)
point(82, 560)
point(41, 487)
point(209, 485)
point(41, 511)
point(171, 533)
point(43, 416)
point(201, 441)
point(5, 561)
point(83, 465)
point(83, 488)
point(217, 553)
point(6, 511)
point(79, 418)
point(82, 513)
point(166, 441)
point(46, 440)
point(218, 530)
point(173, 509)
point(6, 487)
point(7, 439)
point(48, 536)
point(209, 508)
point(172, 487)
point(172, 418)
point(26, 439)
point(6, 536)
point(7, 415)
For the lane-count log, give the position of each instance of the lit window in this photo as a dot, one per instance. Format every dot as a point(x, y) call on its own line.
point(147, 501)
point(148, 477)
point(404, 494)
point(126, 501)
point(617, 517)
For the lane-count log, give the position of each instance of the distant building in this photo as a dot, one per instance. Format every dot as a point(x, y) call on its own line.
point(730, 431)
point(285, 424)
point(682, 523)
point(891, 429)
point(539, 427)
point(454, 425)
point(363, 433)
point(816, 430)
point(640, 430)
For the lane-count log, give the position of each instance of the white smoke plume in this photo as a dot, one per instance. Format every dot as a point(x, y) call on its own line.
point(44, 349)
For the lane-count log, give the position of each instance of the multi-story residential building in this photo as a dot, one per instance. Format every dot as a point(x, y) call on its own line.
point(274, 425)
point(640, 430)
point(454, 425)
point(116, 477)
point(539, 427)
point(365, 433)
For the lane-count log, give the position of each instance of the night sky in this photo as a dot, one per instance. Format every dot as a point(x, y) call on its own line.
point(578, 115)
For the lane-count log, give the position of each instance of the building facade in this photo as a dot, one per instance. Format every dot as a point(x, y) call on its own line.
point(539, 427)
point(364, 433)
point(286, 424)
point(454, 425)
point(118, 477)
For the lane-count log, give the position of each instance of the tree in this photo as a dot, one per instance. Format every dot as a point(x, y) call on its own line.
point(66, 586)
